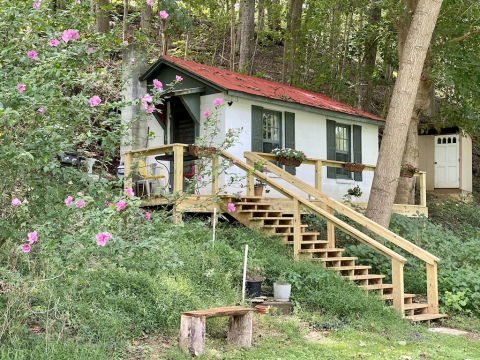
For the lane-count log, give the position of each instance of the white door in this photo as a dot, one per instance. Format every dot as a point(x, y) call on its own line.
point(447, 162)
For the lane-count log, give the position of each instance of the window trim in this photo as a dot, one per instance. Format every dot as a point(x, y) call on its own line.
point(280, 127)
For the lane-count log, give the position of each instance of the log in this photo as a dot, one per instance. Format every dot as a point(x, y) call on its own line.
point(192, 334)
point(240, 329)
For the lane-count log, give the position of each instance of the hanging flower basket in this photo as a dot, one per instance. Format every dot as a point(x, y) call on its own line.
point(197, 151)
point(357, 168)
point(289, 162)
point(193, 150)
point(406, 173)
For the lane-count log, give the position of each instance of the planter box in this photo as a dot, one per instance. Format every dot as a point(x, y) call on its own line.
point(406, 174)
point(358, 168)
point(281, 292)
point(289, 162)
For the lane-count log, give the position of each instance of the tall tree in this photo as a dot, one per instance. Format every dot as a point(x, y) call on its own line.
point(232, 35)
point(294, 22)
point(102, 16)
point(385, 180)
point(367, 67)
point(247, 36)
point(261, 15)
point(146, 16)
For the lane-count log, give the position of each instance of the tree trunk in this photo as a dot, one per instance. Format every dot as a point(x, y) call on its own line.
point(365, 89)
point(146, 15)
point(232, 36)
point(295, 27)
point(386, 176)
point(261, 15)
point(247, 36)
point(103, 21)
point(238, 41)
point(125, 20)
point(274, 16)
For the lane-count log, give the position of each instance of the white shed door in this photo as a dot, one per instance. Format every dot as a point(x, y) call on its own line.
point(447, 162)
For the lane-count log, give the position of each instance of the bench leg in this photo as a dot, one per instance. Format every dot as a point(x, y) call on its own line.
point(240, 329)
point(192, 334)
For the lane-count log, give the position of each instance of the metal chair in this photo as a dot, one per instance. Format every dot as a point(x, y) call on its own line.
point(147, 175)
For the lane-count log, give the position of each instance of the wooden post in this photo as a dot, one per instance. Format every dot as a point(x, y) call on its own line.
point(192, 334)
point(330, 230)
point(398, 287)
point(127, 169)
point(297, 221)
point(423, 189)
point(432, 288)
point(177, 168)
point(240, 329)
point(318, 175)
point(215, 174)
point(250, 179)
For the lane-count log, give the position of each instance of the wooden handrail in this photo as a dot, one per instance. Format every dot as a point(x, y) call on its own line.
point(345, 210)
point(315, 209)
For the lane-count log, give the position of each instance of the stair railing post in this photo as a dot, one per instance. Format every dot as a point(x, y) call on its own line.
point(330, 230)
point(215, 174)
point(177, 178)
point(398, 286)
point(318, 175)
point(297, 222)
point(250, 179)
point(432, 288)
point(423, 189)
point(127, 182)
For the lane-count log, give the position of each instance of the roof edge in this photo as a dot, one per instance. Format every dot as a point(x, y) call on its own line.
point(294, 105)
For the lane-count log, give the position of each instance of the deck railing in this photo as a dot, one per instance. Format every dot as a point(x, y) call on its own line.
point(333, 205)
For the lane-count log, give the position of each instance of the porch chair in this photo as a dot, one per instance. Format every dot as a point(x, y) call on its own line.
point(147, 176)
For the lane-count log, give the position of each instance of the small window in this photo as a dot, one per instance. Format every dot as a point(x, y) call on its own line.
point(444, 141)
point(449, 140)
point(439, 141)
point(342, 149)
point(271, 127)
point(454, 140)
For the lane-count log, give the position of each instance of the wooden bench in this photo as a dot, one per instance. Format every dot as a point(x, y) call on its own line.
point(192, 327)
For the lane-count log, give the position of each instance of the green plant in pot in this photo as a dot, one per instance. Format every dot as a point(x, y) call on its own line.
point(282, 289)
point(258, 187)
point(253, 285)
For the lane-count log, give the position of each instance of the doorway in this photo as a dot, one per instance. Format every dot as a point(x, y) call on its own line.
point(447, 162)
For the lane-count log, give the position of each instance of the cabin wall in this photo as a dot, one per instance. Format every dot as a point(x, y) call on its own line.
point(426, 147)
point(466, 163)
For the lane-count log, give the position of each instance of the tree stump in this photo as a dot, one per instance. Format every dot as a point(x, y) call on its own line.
point(192, 334)
point(240, 329)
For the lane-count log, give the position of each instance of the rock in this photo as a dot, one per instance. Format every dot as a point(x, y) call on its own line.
point(402, 343)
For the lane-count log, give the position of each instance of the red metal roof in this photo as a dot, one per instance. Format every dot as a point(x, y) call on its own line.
point(255, 86)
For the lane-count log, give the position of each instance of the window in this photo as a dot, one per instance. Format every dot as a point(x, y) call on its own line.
point(342, 149)
point(271, 130)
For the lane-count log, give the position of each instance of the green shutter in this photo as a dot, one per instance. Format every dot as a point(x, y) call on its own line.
point(290, 138)
point(257, 135)
point(357, 149)
point(331, 171)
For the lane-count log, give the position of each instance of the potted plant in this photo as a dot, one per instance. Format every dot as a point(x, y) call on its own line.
point(258, 187)
point(282, 289)
point(408, 170)
point(254, 280)
point(290, 157)
point(355, 192)
point(354, 167)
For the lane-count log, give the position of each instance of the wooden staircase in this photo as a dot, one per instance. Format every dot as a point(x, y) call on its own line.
point(255, 213)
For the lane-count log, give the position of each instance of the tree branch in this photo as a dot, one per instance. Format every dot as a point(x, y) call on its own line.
point(467, 35)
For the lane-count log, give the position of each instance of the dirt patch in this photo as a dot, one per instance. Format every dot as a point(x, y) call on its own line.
point(456, 332)
point(148, 347)
point(317, 337)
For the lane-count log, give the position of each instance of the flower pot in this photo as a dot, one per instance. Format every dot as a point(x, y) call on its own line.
point(281, 292)
point(193, 150)
point(197, 151)
point(358, 168)
point(258, 190)
point(289, 162)
point(262, 309)
point(253, 288)
point(406, 173)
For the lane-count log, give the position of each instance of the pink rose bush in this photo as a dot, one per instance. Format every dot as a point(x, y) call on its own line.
point(158, 84)
point(32, 237)
point(178, 78)
point(41, 110)
point(54, 42)
point(26, 248)
point(147, 216)
point(231, 207)
point(68, 200)
point(102, 238)
point(121, 205)
point(206, 114)
point(129, 191)
point(218, 101)
point(21, 87)
point(16, 202)
point(80, 204)
point(163, 14)
point(94, 101)
point(32, 54)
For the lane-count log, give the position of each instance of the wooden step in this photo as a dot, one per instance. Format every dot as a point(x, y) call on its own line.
point(415, 306)
point(282, 226)
point(340, 268)
point(376, 287)
point(363, 277)
point(321, 250)
point(338, 259)
point(269, 218)
point(390, 296)
point(251, 203)
point(425, 317)
point(306, 242)
point(304, 233)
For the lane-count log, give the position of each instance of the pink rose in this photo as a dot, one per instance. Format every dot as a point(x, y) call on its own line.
point(234, 161)
point(125, 43)
point(232, 131)
point(68, 200)
point(150, 109)
point(26, 248)
point(129, 191)
point(150, 2)
point(231, 207)
point(41, 110)
point(80, 204)
point(178, 78)
point(264, 167)
point(147, 98)
point(121, 205)
point(69, 35)
point(32, 237)
point(199, 178)
point(90, 50)
point(70, 182)
point(163, 14)
point(102, 238)
point(217, 101)
point(94, 101)
point(54, 42)
point(147, 216)
point(16, 202)
point(108, 204)
point(158, 84)
point(21, 87)
point(31, 54)
point(36, 6)
point(206, 114)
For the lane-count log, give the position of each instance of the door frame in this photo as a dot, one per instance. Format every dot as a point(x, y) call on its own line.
point(436, 184)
